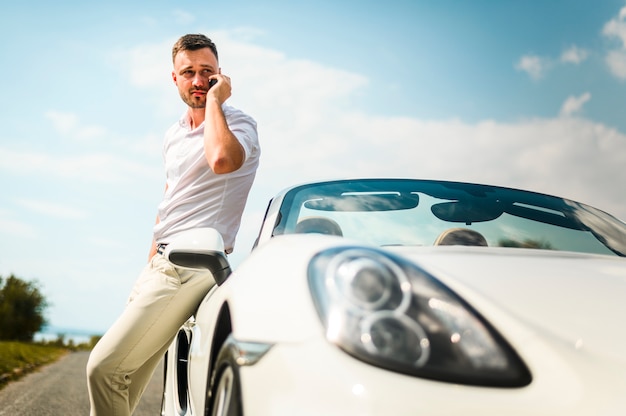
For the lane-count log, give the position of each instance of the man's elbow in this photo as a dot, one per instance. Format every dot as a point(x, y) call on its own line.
point(225, 159)
point(224, 165)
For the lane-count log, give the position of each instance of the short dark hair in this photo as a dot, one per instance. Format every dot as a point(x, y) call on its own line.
point(193, 42)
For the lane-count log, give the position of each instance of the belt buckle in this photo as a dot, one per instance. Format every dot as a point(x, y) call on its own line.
point(161, 248)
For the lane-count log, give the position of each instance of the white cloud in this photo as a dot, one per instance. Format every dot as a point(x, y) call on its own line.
point(616, 61)
point(64, 123)
point(570, 157)
point(146, 65)
point(574, 55)
point(51, 209)
point(68, 124)
point(616, 27)
point(535, 66)
point(184, 18)
point(10, 226)
point(89, 167)
point(573, 105)
point(616, 58)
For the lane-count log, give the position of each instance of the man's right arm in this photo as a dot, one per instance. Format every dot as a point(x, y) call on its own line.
point(153, 247)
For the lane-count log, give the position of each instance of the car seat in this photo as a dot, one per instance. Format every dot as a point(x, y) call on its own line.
point(321, 225)
point(460, 237)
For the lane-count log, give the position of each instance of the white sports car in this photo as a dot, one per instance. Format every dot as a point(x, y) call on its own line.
point(408, 297)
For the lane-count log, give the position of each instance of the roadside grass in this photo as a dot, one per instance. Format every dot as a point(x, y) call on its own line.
point(19, 358)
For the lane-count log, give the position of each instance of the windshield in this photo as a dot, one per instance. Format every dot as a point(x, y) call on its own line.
point(415, 212)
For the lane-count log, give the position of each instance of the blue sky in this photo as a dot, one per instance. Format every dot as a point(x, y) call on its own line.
point(527, 94)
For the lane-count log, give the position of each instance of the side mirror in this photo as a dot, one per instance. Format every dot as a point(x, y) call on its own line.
point(200, 248)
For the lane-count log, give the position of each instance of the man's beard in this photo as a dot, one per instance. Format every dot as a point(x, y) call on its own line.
point(193, 102)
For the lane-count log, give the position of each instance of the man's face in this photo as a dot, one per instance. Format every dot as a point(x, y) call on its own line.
point(191, 73)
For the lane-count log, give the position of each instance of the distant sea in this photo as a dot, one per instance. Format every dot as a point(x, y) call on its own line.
point(78, 336)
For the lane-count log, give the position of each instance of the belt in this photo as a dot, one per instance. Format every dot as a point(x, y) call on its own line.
point(161, 248)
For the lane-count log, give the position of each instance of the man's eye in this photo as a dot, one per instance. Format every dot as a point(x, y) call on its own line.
point(188, 74)
point(206, 73)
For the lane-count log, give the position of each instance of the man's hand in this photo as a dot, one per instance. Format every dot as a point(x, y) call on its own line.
point(221, 91)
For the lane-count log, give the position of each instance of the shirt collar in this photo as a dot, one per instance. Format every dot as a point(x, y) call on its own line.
point(185, 121)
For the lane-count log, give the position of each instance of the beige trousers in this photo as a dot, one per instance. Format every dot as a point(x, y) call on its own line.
point(123, 361)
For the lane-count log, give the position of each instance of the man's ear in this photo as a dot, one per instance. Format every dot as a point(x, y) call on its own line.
point(219, 70)
point(174, 77)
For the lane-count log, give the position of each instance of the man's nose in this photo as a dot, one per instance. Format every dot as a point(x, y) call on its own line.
point(198, 80)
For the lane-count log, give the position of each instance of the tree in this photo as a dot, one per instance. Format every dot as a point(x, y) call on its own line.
point(22, 309)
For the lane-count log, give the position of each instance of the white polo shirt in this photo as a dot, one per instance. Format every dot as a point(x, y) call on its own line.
point(197, 197)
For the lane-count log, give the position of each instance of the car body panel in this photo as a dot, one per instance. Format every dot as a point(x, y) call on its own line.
point(286, 384)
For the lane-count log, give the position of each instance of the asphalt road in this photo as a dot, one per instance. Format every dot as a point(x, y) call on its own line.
point(60, 389)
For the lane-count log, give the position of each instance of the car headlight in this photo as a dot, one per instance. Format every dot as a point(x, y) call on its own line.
point(388, 312)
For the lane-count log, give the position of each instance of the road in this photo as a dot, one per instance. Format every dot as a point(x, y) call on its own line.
point(60, 389)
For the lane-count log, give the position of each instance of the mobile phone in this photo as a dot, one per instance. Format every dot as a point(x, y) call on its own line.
point(212, 82)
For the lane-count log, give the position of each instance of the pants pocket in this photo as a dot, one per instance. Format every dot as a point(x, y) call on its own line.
point(165, 268)
point(179, 274)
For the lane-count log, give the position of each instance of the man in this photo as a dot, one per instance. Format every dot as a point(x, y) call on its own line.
point(211, 155)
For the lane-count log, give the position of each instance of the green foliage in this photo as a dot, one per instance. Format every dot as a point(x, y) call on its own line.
point(17, 358)
point(22, 309)
point(70, 344)
point(93, 340)
point(18, 354)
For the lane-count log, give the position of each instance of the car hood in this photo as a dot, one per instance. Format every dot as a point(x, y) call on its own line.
point(573, 298)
